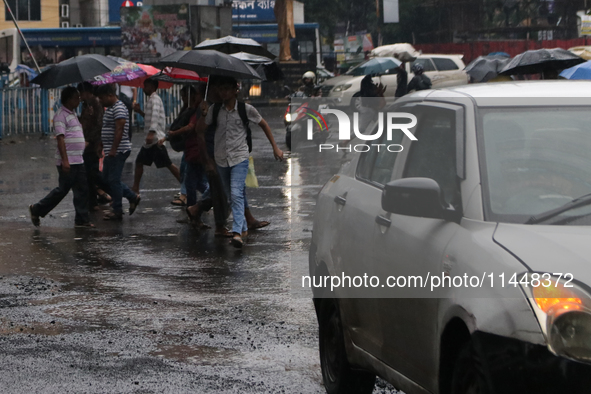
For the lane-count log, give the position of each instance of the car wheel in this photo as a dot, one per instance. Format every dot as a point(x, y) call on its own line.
point(337, 374)
point(468, 376)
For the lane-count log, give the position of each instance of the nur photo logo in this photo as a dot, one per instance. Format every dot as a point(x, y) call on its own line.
point(349, 130)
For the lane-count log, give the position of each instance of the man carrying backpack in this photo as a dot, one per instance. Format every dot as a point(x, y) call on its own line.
point(233, 142)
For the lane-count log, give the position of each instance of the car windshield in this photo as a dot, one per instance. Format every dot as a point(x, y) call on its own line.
point(535, 160)
point(359, 69)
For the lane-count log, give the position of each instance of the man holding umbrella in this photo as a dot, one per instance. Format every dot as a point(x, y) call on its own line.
point(232, 147)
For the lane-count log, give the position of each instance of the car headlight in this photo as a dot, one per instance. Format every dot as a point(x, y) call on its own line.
point(563, 310)
point(288, 117)
point(342, 88)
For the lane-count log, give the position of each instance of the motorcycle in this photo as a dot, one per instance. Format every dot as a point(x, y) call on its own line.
point(296, 123)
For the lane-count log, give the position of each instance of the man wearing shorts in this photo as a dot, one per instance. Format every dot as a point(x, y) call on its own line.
point(154, 126)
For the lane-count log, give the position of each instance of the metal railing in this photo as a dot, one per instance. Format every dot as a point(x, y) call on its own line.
point(31, 110)
point(24, 111)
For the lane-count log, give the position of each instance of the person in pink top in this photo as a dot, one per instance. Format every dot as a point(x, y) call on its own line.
point(69, 161)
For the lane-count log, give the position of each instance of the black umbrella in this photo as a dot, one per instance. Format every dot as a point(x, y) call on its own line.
point(208, 62)
point(268, 69)
point(75, 70)
point(540, 60)
point(270, 72)
point(230, 44)
point(485, 68)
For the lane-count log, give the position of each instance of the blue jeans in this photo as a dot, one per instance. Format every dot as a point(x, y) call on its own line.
point(194, 180)
point(112, 170)
point(183, 171)
point(234, 181)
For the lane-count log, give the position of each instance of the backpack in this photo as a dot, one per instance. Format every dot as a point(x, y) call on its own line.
point(210, 135)
point(177, 142)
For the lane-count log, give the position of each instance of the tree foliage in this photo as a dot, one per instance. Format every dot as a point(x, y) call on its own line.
point(350, 16)
point(428, 21)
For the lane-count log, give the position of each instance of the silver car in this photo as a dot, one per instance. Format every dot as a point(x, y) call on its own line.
point(443, 71)
point(495, 192)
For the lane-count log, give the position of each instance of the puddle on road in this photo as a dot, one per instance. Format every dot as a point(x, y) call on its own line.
point(39, 328)
point(202, 355)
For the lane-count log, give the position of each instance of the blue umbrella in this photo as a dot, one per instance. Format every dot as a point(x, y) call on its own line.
point(580, 71)
point(377, 65)
point(21, 68)
point(504, 54)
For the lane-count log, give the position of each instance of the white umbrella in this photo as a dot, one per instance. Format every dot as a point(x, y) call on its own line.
point(402, 51)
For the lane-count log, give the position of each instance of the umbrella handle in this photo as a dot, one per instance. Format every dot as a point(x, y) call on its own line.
point(206, 89)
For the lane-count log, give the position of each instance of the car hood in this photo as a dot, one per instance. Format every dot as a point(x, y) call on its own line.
point(544, 248)
point(338, 80)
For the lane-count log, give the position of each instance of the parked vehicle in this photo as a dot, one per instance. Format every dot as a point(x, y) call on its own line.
point(498, 183)
point(443, 70)
point(295, 121)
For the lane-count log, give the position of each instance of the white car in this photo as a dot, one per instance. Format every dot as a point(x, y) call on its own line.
point(497, 189)
point(443, 70)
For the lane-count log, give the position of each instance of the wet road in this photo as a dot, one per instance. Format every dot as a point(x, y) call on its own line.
point(150, 305)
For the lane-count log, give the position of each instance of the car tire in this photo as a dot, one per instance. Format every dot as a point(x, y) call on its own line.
point(468, 376)
point(337, 374)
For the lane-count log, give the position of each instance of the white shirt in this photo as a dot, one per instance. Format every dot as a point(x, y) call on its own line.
point(231, 147)
point(155, 118)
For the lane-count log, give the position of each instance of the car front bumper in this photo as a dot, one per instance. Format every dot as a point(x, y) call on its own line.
point(514, 366)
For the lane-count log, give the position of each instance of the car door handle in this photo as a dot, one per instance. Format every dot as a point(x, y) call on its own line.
point(382, 221)
point(340, 200)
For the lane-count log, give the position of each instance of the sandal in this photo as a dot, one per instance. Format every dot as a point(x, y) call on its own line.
point(133, 205)
point(225, 234)
point(258, 224)
point(179, 201)
point(237, 241)
point(113, 216)
point(104, 198)
point(196, 222)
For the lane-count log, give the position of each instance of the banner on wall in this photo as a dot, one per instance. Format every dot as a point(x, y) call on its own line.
point(352, 47)
point(151, 32)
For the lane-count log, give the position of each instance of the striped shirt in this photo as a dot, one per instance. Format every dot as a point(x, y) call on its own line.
point(65, 122)
point(155, 119)
point(115, 112)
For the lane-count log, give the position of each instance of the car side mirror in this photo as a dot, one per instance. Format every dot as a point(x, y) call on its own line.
point(419, 197)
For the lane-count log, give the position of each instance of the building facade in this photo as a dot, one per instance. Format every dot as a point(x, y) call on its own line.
point(31, 14)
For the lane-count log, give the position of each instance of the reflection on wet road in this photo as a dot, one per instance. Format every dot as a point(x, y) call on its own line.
point(151, 305)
